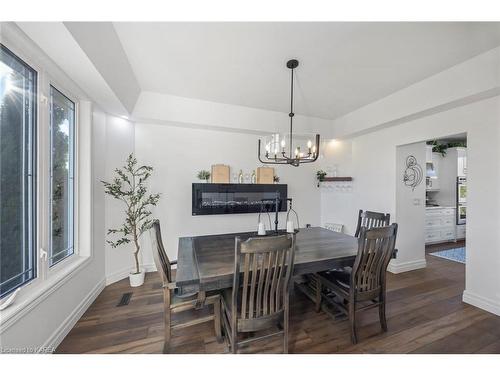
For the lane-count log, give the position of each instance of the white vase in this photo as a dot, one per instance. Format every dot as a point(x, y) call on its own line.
point(136, 279)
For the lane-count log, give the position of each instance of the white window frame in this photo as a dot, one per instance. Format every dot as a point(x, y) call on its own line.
point(49, 279)
point(76, 253)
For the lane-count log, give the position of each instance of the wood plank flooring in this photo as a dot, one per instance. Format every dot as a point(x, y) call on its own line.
point(425, 314)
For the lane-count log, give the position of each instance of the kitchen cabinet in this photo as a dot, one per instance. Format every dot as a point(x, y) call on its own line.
point(440, 225)
point(428, 154)
point(433, 166)
point(460, 232)
point(462, 162)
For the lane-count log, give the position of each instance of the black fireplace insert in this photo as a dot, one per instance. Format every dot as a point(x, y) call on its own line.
point(220, 199)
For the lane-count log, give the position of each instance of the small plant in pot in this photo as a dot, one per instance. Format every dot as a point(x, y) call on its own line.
point(320, 176)
point(129, 186)
point(204, 175)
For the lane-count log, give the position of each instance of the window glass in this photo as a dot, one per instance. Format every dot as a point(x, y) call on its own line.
point(17, 153)
point(62, 124)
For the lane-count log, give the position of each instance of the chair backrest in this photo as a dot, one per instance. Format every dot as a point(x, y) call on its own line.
point(370, 219)
point(159, 254)
point(375, 248)
point(266, 266)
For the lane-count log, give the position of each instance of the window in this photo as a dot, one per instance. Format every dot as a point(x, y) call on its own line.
point(17, 161)
point(62, 126)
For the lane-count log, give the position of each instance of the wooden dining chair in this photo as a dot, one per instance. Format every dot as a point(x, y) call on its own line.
point(364, 286)
point(259, 298)
point(174, 302)
point(370, 219)
point(367, 219)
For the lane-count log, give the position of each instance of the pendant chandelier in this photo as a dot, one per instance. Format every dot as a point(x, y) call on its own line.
point(279, 150)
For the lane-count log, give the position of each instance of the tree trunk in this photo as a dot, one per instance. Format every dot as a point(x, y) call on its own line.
point(136, 252)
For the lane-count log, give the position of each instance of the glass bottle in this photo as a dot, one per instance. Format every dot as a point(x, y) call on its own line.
point(240, 177)
point(254, 177)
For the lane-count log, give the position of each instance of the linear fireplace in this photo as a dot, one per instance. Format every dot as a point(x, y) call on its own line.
point(220, 199)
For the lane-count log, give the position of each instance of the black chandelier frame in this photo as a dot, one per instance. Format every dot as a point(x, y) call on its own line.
point(292, 158)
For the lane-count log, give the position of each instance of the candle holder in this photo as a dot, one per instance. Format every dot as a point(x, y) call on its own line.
point(289, 223)
point(261, 230)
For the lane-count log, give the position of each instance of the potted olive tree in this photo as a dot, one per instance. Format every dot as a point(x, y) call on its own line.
point(129, 186)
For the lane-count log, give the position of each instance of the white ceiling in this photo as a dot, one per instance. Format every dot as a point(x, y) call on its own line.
point(343, 66)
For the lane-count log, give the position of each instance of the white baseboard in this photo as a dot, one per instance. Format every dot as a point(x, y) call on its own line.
point(123, 273)
point(406, 266)
point(484, 303)
point(60, 333)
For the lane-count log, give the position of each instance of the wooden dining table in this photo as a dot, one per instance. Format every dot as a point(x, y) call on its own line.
point(206, 263)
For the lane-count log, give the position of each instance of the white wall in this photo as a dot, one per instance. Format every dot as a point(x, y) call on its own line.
point(462, 99)
point(410, 209)
point(335, 204)
point(180, 136)
point(374, 172)
point(177, 154)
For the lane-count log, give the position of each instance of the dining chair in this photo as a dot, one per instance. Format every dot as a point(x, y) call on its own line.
point(364, 286)
point(174, 302)
point(259, 298)
point(370, 219)
point(367, 219)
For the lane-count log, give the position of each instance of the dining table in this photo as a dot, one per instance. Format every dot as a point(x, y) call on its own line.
point(206, 263)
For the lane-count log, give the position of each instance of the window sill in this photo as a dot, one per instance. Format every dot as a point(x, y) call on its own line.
point(23, 304)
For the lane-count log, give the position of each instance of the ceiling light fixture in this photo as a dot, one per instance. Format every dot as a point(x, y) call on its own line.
point(295, 154)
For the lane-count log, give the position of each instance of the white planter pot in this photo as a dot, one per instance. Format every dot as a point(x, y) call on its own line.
point(136, 279)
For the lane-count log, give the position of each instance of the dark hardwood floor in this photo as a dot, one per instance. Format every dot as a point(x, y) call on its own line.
point(424, 309)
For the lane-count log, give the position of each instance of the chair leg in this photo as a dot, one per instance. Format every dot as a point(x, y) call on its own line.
point(286, 325)
point(318, 294)
point(217, 320)
point(234, 345)
point(234, 334)
point(168, 318)
point(352, 321)
point(381, 313)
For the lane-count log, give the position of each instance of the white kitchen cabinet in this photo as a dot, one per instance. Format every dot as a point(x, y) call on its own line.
point(428, 154)
point(440, 225)
point(433, 182)
point(436, 159)
point(460, 232)
point(462, 162)
point(432, 236)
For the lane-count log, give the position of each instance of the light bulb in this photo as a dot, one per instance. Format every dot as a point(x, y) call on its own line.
point(309, 144)
point(282, 143)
